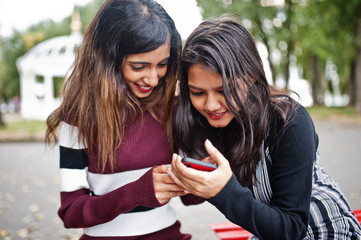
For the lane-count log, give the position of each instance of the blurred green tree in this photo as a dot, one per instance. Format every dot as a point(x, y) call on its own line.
point(15, 46)
point(308, 33)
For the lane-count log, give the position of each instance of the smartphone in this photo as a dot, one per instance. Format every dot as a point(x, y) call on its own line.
point(198, 164)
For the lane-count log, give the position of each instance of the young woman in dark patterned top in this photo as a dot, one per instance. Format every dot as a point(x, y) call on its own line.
point(269, 179)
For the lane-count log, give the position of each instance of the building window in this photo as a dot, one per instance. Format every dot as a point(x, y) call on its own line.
point(57, 83)
point(39, 79)
point(39, 87)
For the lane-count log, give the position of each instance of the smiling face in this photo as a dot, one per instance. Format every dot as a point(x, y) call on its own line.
point(142, 71)
point(206, 94)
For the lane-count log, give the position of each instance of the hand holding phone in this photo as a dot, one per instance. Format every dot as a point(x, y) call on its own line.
point(198, 164)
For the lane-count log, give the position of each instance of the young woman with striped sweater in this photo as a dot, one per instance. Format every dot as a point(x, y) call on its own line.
point(114, 126)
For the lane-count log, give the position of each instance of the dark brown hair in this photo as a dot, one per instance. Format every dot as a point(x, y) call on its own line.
point(96, 99)
point(226, 47)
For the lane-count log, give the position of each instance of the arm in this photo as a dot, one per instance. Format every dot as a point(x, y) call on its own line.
point(191, 199)
point(79, 208)
point(286, 216)
point(291, 181)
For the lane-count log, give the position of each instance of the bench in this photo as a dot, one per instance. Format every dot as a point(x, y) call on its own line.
point(231, 231)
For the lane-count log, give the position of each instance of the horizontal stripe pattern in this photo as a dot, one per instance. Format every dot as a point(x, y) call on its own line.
point(104, 183)
point(74, 175)
point(73, 179)
point(68, 136)
point(133, 224)
point(73, 158)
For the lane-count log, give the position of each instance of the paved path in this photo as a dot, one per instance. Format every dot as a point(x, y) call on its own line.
point(29, 195)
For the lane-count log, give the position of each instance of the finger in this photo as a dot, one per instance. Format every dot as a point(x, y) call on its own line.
point(176, 179)
point(178, 194)
point(186, 177)
point(174, 158)
point(164, 197)
point(162, 178)
point(209, 160)
point(160, 169)
point(164, 182)
point(215, 154)
point(183, 172)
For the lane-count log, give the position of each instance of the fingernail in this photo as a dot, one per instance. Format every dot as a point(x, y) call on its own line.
point(209, 144)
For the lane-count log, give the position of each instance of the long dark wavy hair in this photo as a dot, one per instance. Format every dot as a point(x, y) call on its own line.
point(226, 47)
point(96, 98)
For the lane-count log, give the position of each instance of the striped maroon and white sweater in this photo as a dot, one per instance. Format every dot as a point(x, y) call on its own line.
point(120, 204)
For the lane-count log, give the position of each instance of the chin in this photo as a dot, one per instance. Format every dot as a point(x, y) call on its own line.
point(218, 125)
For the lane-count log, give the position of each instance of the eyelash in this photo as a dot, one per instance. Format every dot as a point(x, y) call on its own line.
point(137, 68)
point(196, 94)
point(161, 65)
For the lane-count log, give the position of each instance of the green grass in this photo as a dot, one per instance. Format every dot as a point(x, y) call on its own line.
point(327, 112)
point(32, 127)
point(24, 126)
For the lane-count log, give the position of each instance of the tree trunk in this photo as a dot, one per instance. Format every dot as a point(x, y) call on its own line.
point(352, 86)
point(317, 90)
point(290, 43)
point(2, 123)
point(287, 65)
point(271, 65)
point(357, 73)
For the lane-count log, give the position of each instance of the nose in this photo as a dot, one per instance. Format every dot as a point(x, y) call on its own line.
point(212, 103)
point(152, 78)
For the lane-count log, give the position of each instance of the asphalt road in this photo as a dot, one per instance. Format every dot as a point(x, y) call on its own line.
point(29, 186)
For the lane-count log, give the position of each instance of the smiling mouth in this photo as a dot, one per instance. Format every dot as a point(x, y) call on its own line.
point(216, 115)
point(144, 89)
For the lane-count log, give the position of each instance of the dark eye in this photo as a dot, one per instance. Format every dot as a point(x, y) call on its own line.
point(196, 94)
point(137, 68)
point(163, 64)
point(221, 92)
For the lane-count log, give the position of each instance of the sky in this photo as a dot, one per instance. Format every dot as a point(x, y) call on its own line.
point(20, 14)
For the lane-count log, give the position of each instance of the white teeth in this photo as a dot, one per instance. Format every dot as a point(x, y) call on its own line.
point(145, 88)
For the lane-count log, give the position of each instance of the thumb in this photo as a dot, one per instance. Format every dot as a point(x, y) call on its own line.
point(215, 154)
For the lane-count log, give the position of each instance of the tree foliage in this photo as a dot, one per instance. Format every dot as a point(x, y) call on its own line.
point(309, 33)
point(15, 46)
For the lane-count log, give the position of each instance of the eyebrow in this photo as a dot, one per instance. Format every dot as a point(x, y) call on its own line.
point(197, 88)
point(136, 62)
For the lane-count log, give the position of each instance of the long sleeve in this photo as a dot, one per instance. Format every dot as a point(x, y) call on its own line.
point(106, 204)
point(290, 177)
point(191, 199)
point(81, 208)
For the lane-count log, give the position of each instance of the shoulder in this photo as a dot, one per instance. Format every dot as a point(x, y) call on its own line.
point(298, 129)
point(298, 117)
point(69, 136)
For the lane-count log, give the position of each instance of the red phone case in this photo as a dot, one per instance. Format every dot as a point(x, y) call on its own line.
point(198, 164)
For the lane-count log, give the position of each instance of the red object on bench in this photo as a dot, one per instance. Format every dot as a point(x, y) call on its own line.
point(358, 215)
point(231, 231)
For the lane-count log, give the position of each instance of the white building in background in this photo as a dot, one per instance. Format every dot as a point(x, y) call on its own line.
point(42, 71)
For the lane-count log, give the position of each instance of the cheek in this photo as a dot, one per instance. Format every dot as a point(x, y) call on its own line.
point(197, 103)
point(128, 76)
point(162, 72)
point(225, 105)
